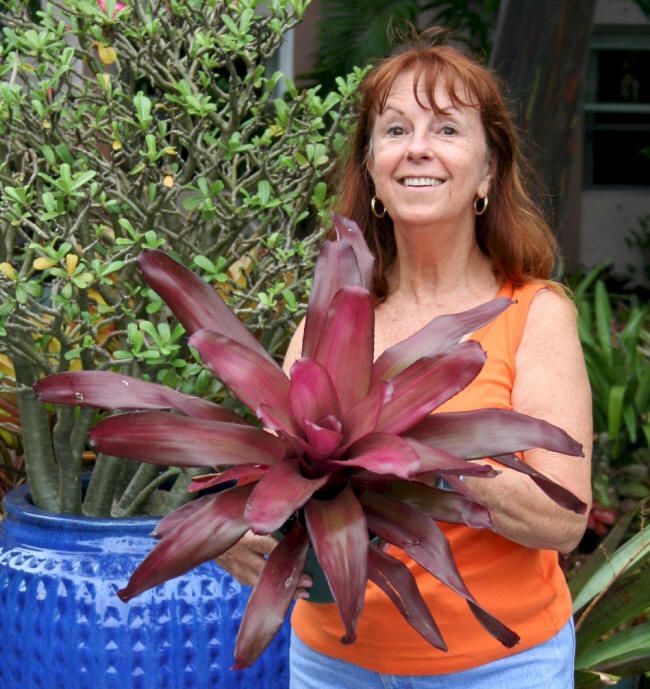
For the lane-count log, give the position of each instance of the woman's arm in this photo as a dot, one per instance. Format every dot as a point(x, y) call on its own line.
point(551, 383)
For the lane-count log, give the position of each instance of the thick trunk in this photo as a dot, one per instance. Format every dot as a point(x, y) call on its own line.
point(540, 50)
point(42, 469)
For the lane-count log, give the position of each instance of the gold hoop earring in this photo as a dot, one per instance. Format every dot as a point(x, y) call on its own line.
point(479, 210)
point(373, 207)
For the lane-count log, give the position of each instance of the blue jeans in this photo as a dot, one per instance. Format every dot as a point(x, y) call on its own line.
point(547, 666)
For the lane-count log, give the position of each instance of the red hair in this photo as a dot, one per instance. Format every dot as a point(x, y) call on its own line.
point(512, 233)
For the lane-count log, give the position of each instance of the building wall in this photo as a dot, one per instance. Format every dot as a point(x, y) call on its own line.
point(608, 214)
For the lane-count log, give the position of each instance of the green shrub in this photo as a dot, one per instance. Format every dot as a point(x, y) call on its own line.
point(158, 125)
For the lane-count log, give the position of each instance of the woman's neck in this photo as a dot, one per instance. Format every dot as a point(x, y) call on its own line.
point(437, 267)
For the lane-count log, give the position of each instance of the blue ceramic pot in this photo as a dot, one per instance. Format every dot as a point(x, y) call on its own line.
point(63, 626)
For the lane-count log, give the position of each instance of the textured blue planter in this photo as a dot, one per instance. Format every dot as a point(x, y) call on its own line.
point(63, 626)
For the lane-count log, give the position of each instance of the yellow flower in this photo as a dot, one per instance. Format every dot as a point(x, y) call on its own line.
point(116, 145)
point(71, 261)
point(168, 181)
point(42, 263)
point(106, 54)
point(8, 270)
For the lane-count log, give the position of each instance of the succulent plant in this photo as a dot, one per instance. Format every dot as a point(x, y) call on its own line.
point(355, 451)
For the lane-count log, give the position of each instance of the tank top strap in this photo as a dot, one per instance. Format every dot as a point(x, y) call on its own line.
point(523, 295)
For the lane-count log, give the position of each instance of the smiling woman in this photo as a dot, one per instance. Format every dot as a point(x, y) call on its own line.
point(434, 179)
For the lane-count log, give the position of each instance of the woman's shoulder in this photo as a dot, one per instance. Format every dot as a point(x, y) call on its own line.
point(545, 299)
point(537, 305)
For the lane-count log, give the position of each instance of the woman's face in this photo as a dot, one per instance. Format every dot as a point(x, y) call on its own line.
point(428, 168)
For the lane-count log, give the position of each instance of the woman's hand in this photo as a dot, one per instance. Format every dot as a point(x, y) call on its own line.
point(246, 559)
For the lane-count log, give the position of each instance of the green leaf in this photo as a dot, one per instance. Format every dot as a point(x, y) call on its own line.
point(264, 191)
point(632, 643)
point(615, 404)
point(142, 109)
point(581, 577)
point(290, 300)
point(205, 263)
point(622, 603)
point(603, 319)
point(627, 556)
point(82, 179)
point(629, 417)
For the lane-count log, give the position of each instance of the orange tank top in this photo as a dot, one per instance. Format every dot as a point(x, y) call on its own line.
point(522, 587)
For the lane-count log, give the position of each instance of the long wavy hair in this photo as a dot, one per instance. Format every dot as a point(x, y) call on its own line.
point(513, 232)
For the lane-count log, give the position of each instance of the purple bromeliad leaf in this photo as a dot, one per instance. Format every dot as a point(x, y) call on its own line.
point(202, 536)
point(395, 579)
point(242, 474)
point(251, 377)
point(165, 438)
point(382, 453)
point(362, 418)
point(195, 303)
point(345, 346)
point(324, 437)
point(284, 424)
point(418, 535)
point(271, 597)
point(441, 505)
point(338, 532)
point(489, 432)
point(312, 395)
point(347, 230)
point(182, 514)
point(107, 390)
point(336, 267)
point(441, 462)
point(278, 495)
point(428, 383)
point(563, 497)
point(438, 336)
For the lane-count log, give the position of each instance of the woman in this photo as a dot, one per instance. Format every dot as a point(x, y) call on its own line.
point(434, 180)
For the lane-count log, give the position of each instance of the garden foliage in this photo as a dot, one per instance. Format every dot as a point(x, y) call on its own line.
point(157, 125)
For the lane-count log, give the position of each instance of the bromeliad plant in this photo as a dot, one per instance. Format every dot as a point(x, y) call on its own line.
point(354, 453)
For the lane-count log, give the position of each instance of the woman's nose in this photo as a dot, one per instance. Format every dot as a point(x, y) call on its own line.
point(420, 146)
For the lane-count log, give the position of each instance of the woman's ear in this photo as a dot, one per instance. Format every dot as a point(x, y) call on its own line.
point(486, 182)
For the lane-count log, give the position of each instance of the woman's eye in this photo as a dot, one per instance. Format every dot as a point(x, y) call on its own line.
point(395, 130)
point(448, 130)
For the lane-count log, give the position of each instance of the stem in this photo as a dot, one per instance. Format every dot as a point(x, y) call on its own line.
point(179, 495)
point(143, 476)
point(69, 436)
point(146, 492)
point(101, 488)
point(42, 470)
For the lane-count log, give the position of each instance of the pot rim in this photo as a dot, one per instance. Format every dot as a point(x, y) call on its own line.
point(18, 506)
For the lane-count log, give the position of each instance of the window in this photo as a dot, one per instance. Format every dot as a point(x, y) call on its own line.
point(617, 111)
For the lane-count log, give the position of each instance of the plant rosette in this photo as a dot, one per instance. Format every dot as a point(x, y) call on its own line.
point(355, 450)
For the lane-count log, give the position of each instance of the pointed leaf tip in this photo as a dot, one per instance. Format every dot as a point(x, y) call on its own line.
point(336, 267)
point(339, 534)
point(271, 597)
point(436, 337)
point(348, 230)
point(195, 303)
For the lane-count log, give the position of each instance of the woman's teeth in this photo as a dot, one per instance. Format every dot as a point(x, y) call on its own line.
point(421, 182)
